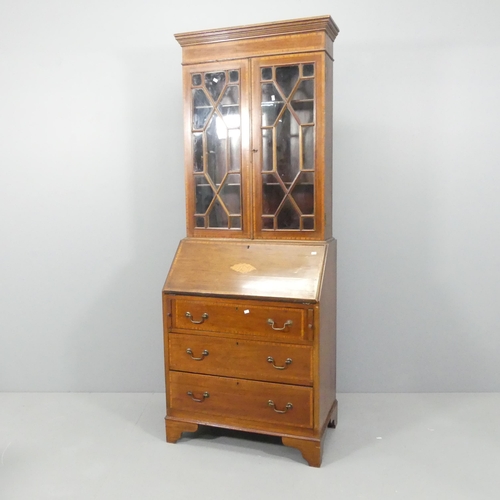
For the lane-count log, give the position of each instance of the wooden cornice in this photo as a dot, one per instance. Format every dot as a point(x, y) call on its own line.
point(294, 26)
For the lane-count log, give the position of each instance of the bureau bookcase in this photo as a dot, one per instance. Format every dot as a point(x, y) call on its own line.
point(250, 299)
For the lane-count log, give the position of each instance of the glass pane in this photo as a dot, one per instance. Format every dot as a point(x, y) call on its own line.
point(201, 109)
point(235, 222)
point(215, 82)
point(288, 218)
point(272, 194)
point(286, 77)
point(268, 223)
point(305, 90)
point(308, 70)
point(303, 193)
point(198, 152)
point(303, 101)
point(287, 147)
point(196, 80)
point(308, 223)
point(267, 149)
point(216, 134)
point(267, 73)
point(272, 104)
point(229, 106)
point(233, 179)
point(308, 148)
point(234, 150)
point(216, 149)
point(234, 76)
point(231, 194)
point(204, 194)
point(218, 216)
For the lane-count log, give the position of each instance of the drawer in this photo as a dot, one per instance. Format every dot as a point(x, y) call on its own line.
point(245, 399)
point(249, 359)
point(200, 314)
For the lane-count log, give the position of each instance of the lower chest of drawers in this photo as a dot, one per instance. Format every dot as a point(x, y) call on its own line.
point(230, 359)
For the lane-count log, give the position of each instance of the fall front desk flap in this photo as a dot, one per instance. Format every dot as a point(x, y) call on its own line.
point(287, 271)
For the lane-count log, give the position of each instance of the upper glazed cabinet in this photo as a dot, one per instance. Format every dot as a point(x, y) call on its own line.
point(257, 104)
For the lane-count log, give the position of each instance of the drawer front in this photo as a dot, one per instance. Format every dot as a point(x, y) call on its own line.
point(200, 314)
point(249, 359)
point(246, 399)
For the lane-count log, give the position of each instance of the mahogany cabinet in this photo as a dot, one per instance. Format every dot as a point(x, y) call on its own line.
point(250, 299)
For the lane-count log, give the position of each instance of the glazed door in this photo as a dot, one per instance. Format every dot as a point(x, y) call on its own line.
point(288, 146)
point(217, 149)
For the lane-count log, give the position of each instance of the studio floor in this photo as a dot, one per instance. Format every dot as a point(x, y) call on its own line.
point(112, 446)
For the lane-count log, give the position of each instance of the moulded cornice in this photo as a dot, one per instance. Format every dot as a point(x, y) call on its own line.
point(293, 26)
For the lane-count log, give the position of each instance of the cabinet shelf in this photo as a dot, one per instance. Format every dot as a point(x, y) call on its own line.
point(271, 103)
point(220, 105)
point(232, 184)
point(288, 184)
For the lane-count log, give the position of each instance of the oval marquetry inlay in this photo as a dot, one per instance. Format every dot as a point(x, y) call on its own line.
point(243, 268)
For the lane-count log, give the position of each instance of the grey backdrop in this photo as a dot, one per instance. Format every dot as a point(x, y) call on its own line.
point(92, 194)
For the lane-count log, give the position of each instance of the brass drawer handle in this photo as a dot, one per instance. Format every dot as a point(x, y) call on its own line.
point(204, 316)
point(287, 323)
point(205, 395)
point(288, 406)
point(288, 361)
point(203, 354)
